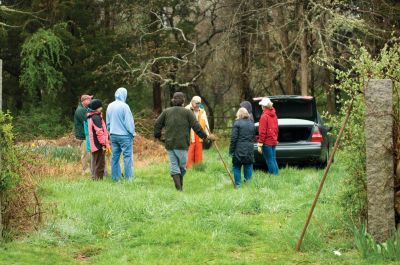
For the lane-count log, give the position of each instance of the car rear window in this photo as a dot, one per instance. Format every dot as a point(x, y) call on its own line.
point(290, 108)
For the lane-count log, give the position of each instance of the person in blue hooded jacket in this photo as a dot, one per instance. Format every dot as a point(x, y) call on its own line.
point(121, 126)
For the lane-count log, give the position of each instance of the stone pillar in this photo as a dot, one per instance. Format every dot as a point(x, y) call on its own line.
point(1, 107)
point(1, 84)
point(379, 143)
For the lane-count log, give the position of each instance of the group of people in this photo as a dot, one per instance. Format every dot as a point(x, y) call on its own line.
point(185, 129)
point(241, 147)
point(98, 138)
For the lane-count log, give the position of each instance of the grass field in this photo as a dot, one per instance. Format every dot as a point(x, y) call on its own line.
point(147, 222)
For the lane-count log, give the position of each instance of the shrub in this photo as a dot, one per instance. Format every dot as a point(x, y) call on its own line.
point(8, 159)
point(41, 122)
point(352, 81)
point(19, 203)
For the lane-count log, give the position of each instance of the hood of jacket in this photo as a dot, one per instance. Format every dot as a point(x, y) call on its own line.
point(270, 112)
point(93, 112)
point(247, 106)
point(121, 94)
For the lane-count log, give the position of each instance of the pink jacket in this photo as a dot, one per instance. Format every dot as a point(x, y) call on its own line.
point(98, 134)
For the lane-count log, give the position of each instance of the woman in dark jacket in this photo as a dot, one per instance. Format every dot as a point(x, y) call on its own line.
point(249, 108)
point(241, 147)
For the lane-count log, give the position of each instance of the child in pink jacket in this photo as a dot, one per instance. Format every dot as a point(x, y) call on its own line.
point(98, 136)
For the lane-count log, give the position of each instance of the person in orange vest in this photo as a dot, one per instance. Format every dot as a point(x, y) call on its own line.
point(195, 152)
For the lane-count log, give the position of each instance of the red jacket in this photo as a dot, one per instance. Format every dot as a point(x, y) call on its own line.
point(268, 127)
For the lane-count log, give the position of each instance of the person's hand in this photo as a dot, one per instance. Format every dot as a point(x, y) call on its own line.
point(212, 137)
point(108, 150)
point(259, 148)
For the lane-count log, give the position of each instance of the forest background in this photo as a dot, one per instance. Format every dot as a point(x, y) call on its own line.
point(226, 51)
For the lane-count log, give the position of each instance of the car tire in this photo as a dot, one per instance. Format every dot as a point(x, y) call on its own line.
point(323, 163)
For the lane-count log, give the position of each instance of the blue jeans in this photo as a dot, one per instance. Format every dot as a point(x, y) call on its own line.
point(269, 154)
point(121, 144)
point(178, 160)
point(247, 170)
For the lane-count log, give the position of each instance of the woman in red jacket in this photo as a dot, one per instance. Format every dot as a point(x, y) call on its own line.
point(268, 135)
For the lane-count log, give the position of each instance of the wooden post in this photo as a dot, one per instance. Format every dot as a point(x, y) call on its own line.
point(1, 85)
point(380, 168)
point(322, 182)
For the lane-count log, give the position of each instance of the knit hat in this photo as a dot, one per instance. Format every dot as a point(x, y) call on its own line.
point(95, 104)
point(86, 97)
point(178, 99)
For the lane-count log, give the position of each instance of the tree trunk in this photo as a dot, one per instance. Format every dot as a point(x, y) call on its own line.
point(303, 54)
point(268, 64)
point(155, 68)
point(284, 38)
point(244, 42)
point(330, 92)
point(157, 99)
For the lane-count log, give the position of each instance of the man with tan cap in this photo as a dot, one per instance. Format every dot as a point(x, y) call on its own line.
point(178, 122)
point(195, 152)
point(79, 119)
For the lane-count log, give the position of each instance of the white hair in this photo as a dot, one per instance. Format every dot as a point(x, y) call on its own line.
point(242, 113)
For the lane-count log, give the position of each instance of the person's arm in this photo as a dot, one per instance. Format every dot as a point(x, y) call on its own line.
point(195, 125)
point(129, 122)
point(108, 115)
point(262, 129)
point(97, 125)
point(234, 138)
point(81, 115)
point(159, 124)
point(207, 125)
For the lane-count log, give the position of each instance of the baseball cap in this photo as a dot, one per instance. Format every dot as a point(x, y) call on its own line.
point(265, 101)
point(86, 97)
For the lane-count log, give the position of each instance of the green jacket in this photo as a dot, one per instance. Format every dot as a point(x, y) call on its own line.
point(79, 118)
point(177, 122)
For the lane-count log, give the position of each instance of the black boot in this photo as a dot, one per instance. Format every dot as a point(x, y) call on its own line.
point(177, 181)
point(181, 178)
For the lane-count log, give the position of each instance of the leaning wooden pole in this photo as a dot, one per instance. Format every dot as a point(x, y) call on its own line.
point(321, 184)
point(226, 167)
point(223, 162)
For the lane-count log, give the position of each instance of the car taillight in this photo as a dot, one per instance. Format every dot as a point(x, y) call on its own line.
point(316, 136)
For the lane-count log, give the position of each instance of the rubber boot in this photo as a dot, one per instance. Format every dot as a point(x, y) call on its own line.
point(181, 178)
point(177, 181)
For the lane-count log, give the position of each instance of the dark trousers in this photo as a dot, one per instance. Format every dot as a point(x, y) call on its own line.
point(99, 164)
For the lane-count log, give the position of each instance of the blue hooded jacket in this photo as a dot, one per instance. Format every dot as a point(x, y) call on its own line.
point(119, 116)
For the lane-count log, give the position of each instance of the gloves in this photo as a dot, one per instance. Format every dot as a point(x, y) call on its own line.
point(107, 149)
point(259, 148)
point(212, 137)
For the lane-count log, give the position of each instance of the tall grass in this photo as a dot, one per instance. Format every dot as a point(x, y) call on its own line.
point(69, 153)
point(147, 222)
point(369, 248)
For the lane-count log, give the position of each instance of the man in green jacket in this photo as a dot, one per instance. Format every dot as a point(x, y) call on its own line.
point(79, 118)
point(178, 121)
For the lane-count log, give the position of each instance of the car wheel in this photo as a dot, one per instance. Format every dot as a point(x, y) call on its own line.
point(323, 163)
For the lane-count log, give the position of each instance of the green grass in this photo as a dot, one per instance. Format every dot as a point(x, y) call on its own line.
point(147, 222)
